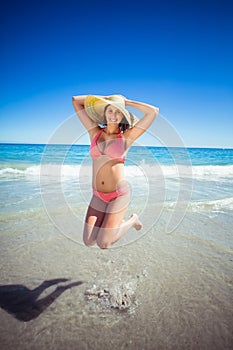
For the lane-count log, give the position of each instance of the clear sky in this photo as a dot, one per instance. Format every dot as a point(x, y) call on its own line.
point(176, 55)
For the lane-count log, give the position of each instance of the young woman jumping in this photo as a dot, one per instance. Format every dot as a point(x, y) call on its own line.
point(112, 130)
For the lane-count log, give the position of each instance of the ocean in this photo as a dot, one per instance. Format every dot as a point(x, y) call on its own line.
point(177, 272)
point(199, 179)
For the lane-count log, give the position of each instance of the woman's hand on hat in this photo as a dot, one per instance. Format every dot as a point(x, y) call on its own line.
point(123, 97)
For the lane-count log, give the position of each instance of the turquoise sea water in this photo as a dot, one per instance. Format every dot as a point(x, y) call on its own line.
point(207, 173)
point(174, 179)
point(16, 154)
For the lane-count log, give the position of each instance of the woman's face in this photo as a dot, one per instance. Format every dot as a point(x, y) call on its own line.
point(113, 115)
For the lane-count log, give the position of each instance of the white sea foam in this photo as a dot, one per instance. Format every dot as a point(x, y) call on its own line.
point(205, 172)
point(210, 206)
point(217, 205)
point(32, 170)
point(43, 170)
point(170, 171)
point(213, 171)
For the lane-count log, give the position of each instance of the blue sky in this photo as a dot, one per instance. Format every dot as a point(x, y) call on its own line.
point(176, 55)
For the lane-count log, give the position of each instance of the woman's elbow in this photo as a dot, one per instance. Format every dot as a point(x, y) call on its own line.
point(155, 112)
point(75, 102)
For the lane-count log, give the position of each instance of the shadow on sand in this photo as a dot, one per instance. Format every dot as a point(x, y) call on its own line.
point(23, 303)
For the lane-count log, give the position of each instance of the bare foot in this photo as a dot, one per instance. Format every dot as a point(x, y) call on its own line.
point(137, 225)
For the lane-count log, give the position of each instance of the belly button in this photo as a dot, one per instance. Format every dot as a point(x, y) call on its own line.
point(102, 182)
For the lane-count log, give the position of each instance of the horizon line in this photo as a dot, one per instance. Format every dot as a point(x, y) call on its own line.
point(87, 144)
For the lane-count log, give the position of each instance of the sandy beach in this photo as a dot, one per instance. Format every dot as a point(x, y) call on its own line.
point(164, 291)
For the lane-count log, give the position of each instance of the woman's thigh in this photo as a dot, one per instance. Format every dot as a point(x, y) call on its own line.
point(110, 230)
point(115, 213)
point(103, 220)
point(96, 211)
point(93, 221)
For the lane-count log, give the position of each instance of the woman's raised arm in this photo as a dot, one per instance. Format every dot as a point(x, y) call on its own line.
point(78, 103)
point(150, 113)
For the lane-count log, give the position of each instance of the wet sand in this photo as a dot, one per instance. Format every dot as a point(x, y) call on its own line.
point(160, 292)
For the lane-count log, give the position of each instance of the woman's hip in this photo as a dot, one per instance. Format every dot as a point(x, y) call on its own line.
point(110, 196)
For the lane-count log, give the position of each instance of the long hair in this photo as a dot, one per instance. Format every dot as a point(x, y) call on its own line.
point(123, 125)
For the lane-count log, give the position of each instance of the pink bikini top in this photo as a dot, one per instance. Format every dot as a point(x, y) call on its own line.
point(115, 150)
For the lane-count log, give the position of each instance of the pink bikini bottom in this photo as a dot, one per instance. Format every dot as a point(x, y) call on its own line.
point(110, 196)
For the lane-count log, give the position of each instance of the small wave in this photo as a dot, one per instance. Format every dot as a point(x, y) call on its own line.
point(43, 170)
point(205, 172)
point(218, 205)
point(64, 170)
point(141, 170)
point(213, 171)
point(213, 206)
point(33, 170)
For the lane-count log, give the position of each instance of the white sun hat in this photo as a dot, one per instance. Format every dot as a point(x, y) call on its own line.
point(95, 105)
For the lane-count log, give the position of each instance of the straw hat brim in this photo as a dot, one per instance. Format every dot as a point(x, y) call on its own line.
point(94, 107)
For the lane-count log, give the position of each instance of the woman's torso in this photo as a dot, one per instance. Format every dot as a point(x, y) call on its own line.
point(108, 154)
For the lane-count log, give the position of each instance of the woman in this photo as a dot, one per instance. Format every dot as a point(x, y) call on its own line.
point(104, 223)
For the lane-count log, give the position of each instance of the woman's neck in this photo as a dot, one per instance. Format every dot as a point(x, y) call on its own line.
point(111, 129)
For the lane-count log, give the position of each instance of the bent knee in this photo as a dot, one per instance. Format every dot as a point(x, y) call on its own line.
point(102, 244)
point(88, 243)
